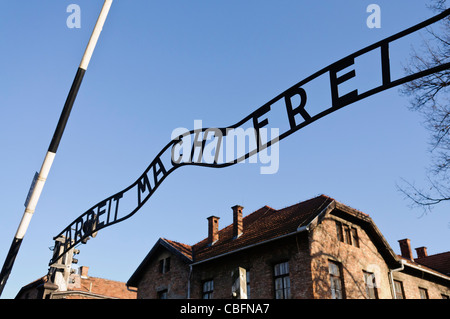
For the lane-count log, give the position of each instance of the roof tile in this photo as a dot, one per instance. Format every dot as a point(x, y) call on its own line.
point(263, 224)
point(439, 262)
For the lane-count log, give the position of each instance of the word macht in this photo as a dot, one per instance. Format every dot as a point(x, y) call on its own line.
point(226, 146)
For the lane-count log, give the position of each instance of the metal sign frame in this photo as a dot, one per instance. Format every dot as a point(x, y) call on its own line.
point(107, 212)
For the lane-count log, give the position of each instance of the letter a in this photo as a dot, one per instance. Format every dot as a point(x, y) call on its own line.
point(73, 20)
point(374, 20)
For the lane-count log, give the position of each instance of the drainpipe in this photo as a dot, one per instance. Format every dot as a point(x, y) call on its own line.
point(392, 278)
point(189, 282)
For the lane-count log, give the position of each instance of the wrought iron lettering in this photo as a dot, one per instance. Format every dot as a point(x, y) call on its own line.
point(210, 140)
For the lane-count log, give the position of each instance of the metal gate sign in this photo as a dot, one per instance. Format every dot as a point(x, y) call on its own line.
point(292, 105)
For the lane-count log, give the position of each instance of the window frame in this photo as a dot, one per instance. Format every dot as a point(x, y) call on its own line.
point(400, 293)
point(209, 292)
point(339, 231)
point(281, 275)
point(162, 293)
point(247, 279)
point(164, 265)
point(425, 291)
point(336, 292)
point(354, 236)
point(370, 286)
point(347, 233)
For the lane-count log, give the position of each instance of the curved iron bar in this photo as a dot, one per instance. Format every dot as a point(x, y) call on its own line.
point(75, 232)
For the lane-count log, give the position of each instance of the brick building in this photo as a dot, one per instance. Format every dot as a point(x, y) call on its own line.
point(80, 286)
point(316, 249)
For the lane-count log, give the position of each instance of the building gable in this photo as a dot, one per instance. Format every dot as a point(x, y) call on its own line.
point(268, 227)
point(181, 251)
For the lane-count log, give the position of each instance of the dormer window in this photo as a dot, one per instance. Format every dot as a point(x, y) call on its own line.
point(347, 234)
point(355, 239)
point(164, 265)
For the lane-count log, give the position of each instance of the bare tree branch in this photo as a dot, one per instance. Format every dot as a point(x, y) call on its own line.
point(430, 96)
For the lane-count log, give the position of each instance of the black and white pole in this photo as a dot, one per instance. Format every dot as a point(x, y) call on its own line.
point(36, 191)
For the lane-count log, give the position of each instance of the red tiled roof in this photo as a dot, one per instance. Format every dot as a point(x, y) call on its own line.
point(439, 262)
point(103, 287)
point(260, 226)
point(184, 249)
point(263, 224)
point(268, 223)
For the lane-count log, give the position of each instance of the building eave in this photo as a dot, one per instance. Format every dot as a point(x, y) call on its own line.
point(424, 269)
point(136, 276)
point(299, 230)
point(366, 222)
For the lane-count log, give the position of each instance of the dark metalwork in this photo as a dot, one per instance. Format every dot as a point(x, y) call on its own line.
point(9, 262)
point(64, 117)
point(15, 246)
point(39, 181)
point(107, 212)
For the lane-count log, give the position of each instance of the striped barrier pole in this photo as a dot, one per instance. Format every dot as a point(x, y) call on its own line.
point(38, 185)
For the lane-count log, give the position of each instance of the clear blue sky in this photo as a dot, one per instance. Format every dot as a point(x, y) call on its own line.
point(160, 65)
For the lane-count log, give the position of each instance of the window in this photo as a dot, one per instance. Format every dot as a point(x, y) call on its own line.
point(248, 283)
point(237, 286)
point(398, 290)
point(282, 282)
point(423, 293)
point(347, 234)
point(340, 237)
point(355, 239)
point(337, 290)
point(164, 265)
point(371, 287)
point(208, 288)
point(162, 294)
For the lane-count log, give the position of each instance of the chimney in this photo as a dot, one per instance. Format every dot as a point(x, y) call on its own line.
point(238, 228)
point(83, 270)
point(421, 252)
point(213, 229)
point(405, 248)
